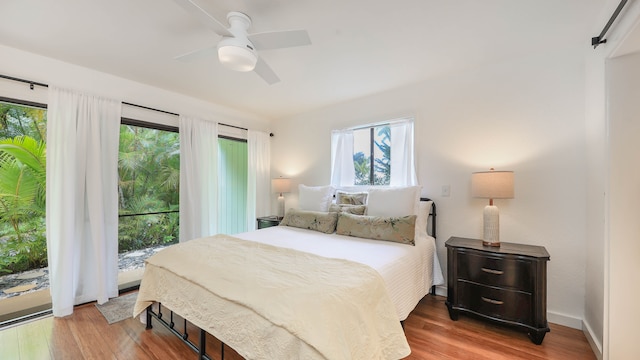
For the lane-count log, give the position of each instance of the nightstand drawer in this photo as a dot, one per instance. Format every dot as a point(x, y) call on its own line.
point(496, 303)
point(495, 271)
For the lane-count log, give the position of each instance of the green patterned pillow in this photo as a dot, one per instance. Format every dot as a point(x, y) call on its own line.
point(313, 220)
point(351, 209)
point(359, 198)
point(396, 229)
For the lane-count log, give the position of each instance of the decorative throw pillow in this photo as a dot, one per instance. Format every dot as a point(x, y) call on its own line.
point(312, 220)
point(396, 229)
point(351, 209)
point(315, 198)
point(357, 198)
point(393, 202)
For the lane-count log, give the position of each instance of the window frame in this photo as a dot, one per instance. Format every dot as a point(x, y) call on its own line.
point(372, 158)
point(23, 102)
point(152, 126)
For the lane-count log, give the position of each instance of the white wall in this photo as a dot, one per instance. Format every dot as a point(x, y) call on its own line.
point(623, 75)
point(602, 264)
point(525, 115)
point(20, 64)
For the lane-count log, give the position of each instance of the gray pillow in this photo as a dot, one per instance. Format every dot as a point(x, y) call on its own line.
point(358, 198)
point(313, 220)
point(351, 209)
point(396, 229)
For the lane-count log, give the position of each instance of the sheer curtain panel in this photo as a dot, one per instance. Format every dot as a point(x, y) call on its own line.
point(82, 198)
point(198, 178)
point(259, 177)
point(343, 172)
point(403, 170)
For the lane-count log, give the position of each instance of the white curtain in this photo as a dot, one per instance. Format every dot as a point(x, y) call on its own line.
point(198, 178)
point(258, 178)
point(403, 170)
point(82, 198)
point(343, 172)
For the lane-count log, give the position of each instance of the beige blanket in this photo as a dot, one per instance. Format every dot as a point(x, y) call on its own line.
point(311, 306)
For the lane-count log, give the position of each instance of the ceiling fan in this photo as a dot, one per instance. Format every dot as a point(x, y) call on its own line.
point(237, 49)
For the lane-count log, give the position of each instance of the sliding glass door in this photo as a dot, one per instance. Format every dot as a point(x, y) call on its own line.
point(23, 244)
point(148, 186)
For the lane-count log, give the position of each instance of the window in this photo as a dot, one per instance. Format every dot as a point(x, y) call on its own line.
point(372, 155)
point(380, 154)
point(149, 180)
point(22, 186)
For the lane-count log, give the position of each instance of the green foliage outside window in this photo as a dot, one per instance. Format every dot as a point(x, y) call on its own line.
point(23, 242)
point(381, 155)
point(149, 178)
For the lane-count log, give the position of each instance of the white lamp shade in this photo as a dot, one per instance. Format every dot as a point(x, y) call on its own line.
point(237, 58)
point(492, 184)
point(281, 185)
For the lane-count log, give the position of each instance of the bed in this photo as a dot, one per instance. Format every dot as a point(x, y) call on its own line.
point(290, 293)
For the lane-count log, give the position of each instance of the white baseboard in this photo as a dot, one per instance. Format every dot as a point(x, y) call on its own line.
point(596, 345)
point(564, 320)
point(441, 290)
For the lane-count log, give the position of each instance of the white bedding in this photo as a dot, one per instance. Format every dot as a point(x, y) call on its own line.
point(408, 271)
point(338, 308)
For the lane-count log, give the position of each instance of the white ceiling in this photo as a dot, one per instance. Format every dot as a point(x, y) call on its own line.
point(359, 47)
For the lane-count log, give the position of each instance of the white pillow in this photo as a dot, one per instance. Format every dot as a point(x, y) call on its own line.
point(315, 198)
point(393, 202)
point(423, 215)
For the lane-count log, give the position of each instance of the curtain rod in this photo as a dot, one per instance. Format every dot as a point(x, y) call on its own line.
point(150, 108)
point(595, 41)
point(33, 83)
point(382, 123)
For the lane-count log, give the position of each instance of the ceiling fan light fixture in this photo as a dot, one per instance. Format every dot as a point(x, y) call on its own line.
point(237, 55)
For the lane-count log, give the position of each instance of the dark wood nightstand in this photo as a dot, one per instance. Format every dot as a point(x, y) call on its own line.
point(268, 221)
point(506, 284)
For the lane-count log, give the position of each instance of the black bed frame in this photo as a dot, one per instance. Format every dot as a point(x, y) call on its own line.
point(200, 348)
point(184, 336)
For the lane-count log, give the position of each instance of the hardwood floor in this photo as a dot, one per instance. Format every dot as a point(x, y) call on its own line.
point(430, 332)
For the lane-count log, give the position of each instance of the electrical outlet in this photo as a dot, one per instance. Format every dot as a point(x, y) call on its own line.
point(446, 190)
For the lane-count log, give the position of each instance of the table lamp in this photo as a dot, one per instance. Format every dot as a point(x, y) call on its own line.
point(492, 185)
point(281, 186)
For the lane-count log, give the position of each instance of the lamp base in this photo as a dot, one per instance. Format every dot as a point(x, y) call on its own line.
point(280, 206)
point(491, 226)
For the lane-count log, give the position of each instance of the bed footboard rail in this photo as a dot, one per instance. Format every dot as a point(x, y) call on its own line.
point(200, 348)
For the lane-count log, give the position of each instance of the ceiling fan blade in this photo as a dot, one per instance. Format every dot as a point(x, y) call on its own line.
point(266, 72)
point(204, 17)
point(197, 54)
point(280, 39)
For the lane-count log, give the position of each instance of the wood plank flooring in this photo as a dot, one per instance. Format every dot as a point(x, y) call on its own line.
point(430, 332)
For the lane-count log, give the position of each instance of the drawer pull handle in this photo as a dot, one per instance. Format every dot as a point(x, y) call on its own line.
point(491, 271)
point(491, 301)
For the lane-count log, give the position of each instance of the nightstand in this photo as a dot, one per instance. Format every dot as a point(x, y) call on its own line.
point(506, 284)
point(268, 221)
